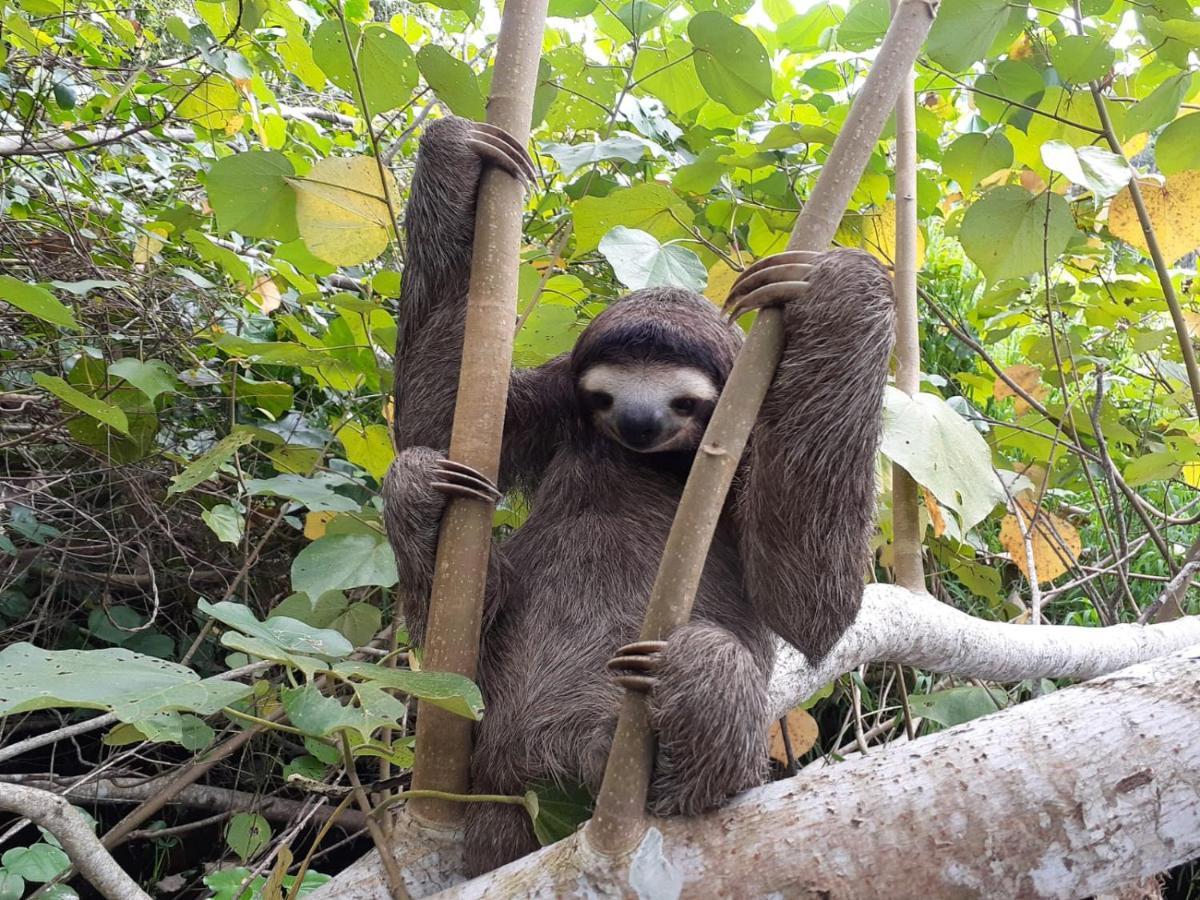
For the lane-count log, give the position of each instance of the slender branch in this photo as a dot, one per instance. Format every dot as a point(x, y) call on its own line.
point(395, 878)
point(443, 749)
point(74, 833)
point(620, 818)
point(906, 513)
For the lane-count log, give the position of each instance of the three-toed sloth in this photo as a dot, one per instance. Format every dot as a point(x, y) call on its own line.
point(600, 441)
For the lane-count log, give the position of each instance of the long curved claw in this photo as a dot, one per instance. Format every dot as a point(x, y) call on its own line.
point(639, 657)
point(460, 480)
point(771, 281)
point(495, 145)
point(773, 294)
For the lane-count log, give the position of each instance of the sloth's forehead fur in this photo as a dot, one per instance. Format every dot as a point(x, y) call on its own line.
point(648, 382)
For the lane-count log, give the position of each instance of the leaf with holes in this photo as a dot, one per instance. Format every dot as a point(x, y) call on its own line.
point(385, 63)
point(130, 685)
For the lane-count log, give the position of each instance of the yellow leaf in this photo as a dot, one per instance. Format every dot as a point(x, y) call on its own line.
point(1029, 378)
point(802, 733)
point(341, 209)
point(1193, 323)
point(1056, 543)
point(315, 522)
point(936, 519)
point(267, 292)
point(389, 411)
point(720, 279)
point(149, 242)
point(1191, 474)
point(234, 123)
point(211, 104)
point(1172, 208)
point(879, 235)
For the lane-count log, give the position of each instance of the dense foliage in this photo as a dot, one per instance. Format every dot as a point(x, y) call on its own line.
point(198, 272)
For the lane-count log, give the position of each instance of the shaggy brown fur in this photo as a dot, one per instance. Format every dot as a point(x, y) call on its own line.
point(570, 586)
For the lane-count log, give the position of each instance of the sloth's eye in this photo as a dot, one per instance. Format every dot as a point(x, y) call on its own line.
point(601, 400)
point(685, 406)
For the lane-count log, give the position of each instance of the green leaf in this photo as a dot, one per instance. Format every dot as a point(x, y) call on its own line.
point(552, 328)
point(1102, 172)
point(208, 464)
point(130, 685)
point(385, 63)
point(111, 415)
point(1080, 58)
point(941, 451)
point(226, 523)
point(648, 207)
point(12, 885)
point(368, 446)
point(343, 561)
point(954, 706)
point(1178, 147)
point(639, 261)
point(975, 156)
point(639, 16)
point(865, 24)
point(250, 195)
point(37, 301)
point(1009, 82)
point(39, 863)
point(964, 30)
point(730, 62)
point(319, 715)
point(152, 377)
point(1009, 233)
point(450, 691)
point(281, 632)
point(247, 834)
point(663, 73)
point(1157, 109)
point(626, 146)
point(454, 82)
point(273, 396)
point(561, 809)
point(1157, 466)
point(315, 492)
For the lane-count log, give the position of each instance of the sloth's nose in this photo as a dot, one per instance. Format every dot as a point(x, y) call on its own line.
point(640, 427)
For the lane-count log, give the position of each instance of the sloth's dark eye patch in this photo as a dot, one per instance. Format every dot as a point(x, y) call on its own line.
point(685, 406)
point(601, 400)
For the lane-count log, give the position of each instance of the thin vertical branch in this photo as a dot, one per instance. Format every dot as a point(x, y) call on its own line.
point(443, 750)
point(906, 514)
point(620, 816)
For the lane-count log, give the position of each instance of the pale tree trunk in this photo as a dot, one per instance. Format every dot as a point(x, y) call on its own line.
point(1002, 760)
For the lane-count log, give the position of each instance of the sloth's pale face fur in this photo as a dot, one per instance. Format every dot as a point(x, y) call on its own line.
point(649, 407)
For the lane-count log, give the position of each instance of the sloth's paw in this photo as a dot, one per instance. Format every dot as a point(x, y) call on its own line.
point(497, 146)
point(636, 665)
point(772, 281)
point(454, 479)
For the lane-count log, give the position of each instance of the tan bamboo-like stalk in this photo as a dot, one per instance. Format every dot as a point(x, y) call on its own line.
point(443, 750)
point(906, 513)
point(620, 817)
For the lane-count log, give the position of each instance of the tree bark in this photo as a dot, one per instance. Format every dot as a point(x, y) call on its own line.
point(894, 625)
point(1081, 791)
point(443, 750)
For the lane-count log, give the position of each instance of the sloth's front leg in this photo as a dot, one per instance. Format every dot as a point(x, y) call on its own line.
point(708, 705)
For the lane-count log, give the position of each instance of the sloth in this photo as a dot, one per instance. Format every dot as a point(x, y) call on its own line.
point(600, 441)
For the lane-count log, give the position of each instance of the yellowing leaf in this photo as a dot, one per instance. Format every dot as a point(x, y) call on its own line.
point(389, 411)
point(879, 235)
point(149, 242)
point(802, 734)
point(342, 211)
point(1056, 543)
point(267, 293)
point(211, 104)
point(1193, 323)
point(315, 522)
point(1191, 474)
point(936, 519)
point(1172, 207)
point(720, 279)
point(1029, 378)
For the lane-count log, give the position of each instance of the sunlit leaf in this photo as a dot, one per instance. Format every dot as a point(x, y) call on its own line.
point(1171, 207)
point(730, 62)
point(342, 209)
point(1009, 233)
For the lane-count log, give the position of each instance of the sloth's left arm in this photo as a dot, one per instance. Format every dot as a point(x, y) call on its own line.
point(806, 502)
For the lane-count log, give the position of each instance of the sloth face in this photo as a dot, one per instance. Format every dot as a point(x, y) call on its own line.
point(649, 407)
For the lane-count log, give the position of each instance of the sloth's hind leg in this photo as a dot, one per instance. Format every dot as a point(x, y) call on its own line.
point(708, 705)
